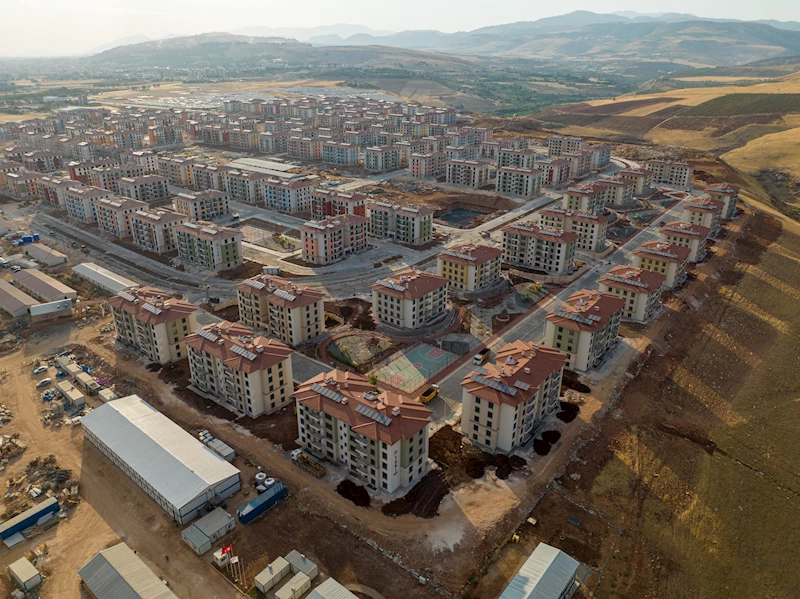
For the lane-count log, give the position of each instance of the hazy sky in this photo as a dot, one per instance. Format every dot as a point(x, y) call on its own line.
point(50, 27)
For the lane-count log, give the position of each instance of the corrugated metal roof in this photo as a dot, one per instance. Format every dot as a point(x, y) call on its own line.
point(544, 575)
point(23, 569)
point(331, 589)
point(14, 300)
point(104, 277)
point(172, 461)
point(213, 522)
point(48, 504)
point(118, 573)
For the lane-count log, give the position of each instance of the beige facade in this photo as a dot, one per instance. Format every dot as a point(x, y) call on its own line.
point(204, 205)
point(333, 239)
point(728, 195)
point(405, 224)
point(521, 182)
point(548, 250)
point(705, 212)
point(409, 299)
point(640, 290)
point(469, 267)
point(209, 246)
point(587, 197)
point(467, 173)
point(147, 188)
point(693, 237)
point(670, 172)
point(114, 215)
point(591, 229)
point(154, 229)
point(666, 258)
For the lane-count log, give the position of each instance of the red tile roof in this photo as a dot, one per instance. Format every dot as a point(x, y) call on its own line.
point(633, 279)
point(151, 306)
point(410, 284)
point(684, 229)
point(661, 250)
point(586, 310)
point(471, 254)
point(220, 339)
point(544, 233)
point(279, 291)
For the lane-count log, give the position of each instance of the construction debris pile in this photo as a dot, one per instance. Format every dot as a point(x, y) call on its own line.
point(10, 447)
point(6, 415)
point(42, 477)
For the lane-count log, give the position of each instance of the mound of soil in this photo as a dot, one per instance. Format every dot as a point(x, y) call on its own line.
point(541, 447)
point(571, 381)
point(504, 464)
point(568, 411)
point(355, 493)
point(551, 437)
point(422, 500)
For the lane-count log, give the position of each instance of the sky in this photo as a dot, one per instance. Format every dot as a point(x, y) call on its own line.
point(70, 27)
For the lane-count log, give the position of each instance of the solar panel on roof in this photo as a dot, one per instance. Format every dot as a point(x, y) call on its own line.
point(633, 282)
point(126, 296)
point(562, 312)
point(282, 293)
point(373, 414)
point(459, 255)
point(245, 353)
point(391, 285)
point(151, 308)
point(208, 230)
point(255, 284)
point(205, 334)
point(502, 387)
point(522, 385)
point(480, 370)
point(329, 393)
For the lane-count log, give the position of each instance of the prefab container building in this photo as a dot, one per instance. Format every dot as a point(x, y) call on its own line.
point(45, 255)
point(43, 286)
point(28, 518)
point(75, 397)
point(15, 301)
point(331, 589)
point(296, 587)
point(272, 574)
point(103, 278)
point(222, 449)
point(300, 563)
point(26, 575)
point(50, 310)
point(252, 510)
point(170, 465)
point(88, 382)
point(107, 395)
point(117, 573)
point(548, 572)
point(73, 370)
point(203, 533)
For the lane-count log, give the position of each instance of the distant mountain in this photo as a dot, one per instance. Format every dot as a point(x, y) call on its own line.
point(304, 34)
point(124, 41)
point(568, 22)
point(404, 39)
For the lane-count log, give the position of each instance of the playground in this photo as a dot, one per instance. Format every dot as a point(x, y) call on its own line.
point(527, 294)
point(409, 369)
point(358, 349)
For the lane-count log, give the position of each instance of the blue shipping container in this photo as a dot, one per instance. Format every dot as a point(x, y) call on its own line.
point(36, 237)
point(250, 511)
point(27, 238)
point(28, 518)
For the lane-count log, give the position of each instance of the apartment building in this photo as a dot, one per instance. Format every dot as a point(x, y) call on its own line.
point(177, 171)
point(380, 437)
point(640, 290)
point(617, 191)
point(671, 172)
point(147, 159)
point(334, 238)
point(405, 224)
point(153, 323)
point(82, 171)
point(601, 155)
point(642, 180)
point(516, 158)
point(287, 196)
point(41, 161)
point(706, 212)
point(549, 250)
point(469, 267)
point(382, 158)
point(521, 182)
point(203, 205)
point(285, 311)
point(687, 235)
point(206, 176)
point(154, 229)
point(52, 190)
point(504, 403)
point(580, 163)
point(341, 153)
point(114, 215)
point(586, 197)
point(669, 259)
point(22, 185)
point(590, 228)
point(209, 246)
point(558, 145)
point(728, 195)
point(162, 136)
point(147, 188)
point(124, 138)
point(247, 373)
point(409, 299)
point(467, 173)
point(327, 202)
point(245, 186)
point(80, 202)
point(427, 165)
point(273, 142)
point(586, 328)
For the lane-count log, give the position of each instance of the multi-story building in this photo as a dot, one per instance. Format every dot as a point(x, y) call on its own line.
point(555, 171)
point(80, 202)
point(245, 186)
point(246, 373)
point(548, 250)
point(161, 136)
point(332, 239)
point(209, 246)
point(178, 171)
point(706, 212)
point(342, 153)
point(580, 163)
point(640, 290)
point(153, 323)
point(728, 195)
point(467, 173)
point(516, 158)
point(154, 229)
point(558, 145)
point(427, 165)
point(41, 161)
point(668, 259)
point(147, 159)
point(53, 189)
point(586, 197)
point(206, 176)
point(147, 188)
point(285, 311)
point(380, 437)
point(469, 267)
point(409, 299)
point(522, 182)
point(287, 196)
point(504, 403)
point(82, 171)
point(642, 180)
point(326, 202)
point(114, 215)
point(124, 138)
point(405, 224)
point(586, 327)
point(590, 228)
point(273, 142)
point(617, 191)
point(203, 205)
point(382, 158)
point(671, 172)
point(23, 184)
point(601, 155)
point(687, 235)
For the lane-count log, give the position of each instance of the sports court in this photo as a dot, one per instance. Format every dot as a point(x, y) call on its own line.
point(409, 370)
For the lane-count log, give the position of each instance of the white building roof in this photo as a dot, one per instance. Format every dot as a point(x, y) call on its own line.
point(331, 589)
point(118, 573)
point(544, 575)
point(14, 300)
point(103, 277)
point(172, 461)
point(23, 569)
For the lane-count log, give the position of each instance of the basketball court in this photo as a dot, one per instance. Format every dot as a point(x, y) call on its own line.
point(410, 370)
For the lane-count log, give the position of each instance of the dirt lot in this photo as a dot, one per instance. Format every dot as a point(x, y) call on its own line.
point(355, 312)
point(425, 195)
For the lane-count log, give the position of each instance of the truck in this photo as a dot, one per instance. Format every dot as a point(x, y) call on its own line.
point(84, 249)
point(482, 356)
point(303, 460)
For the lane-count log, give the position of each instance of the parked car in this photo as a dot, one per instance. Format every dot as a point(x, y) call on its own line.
point(213, 300)
point(16, 268)
point(40, 369)
point(44, 383)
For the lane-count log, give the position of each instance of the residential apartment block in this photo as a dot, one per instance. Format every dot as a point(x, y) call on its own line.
point(586, 327)
point(669, 172)
point(147, 188)
point(687, 235)
point(203, 205)
point(326, 202)
point(382, 158)
point(154, 229)
point(521, 182)
point(287, 196)
point(642, 180)
point(427, 165)
point(22, 185)
point(209, 246)
point(586, 197)
point(334, 238)
point(114, 215)
point(285, 311)
point(80, 202)
point(555, 171)
point(340, 153)
point(379, 437)
point(405, 224)
point(728, 195)
point(590, 228)
point(504, 403)
point(409, 299)
point(151, 322)
point(516, 158)
point(469, 267)
point(244, 186)
point(549, 250)
point(467, 173)
point(206, 176)
point(52, 190)
point(617, 191)
point(177, 171)
point(558, 145)
point(668, 259)
point(242, 371)
point(706, 212)
point(640, 290)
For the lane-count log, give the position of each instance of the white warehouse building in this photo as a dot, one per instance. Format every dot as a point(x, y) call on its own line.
point(103, 278)
point(170, 465)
